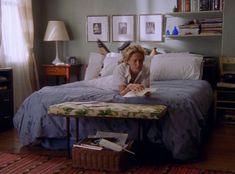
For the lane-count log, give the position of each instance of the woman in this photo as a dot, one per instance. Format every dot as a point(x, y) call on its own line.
point(131, 75)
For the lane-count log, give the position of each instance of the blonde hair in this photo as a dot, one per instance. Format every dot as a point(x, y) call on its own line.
point(129, 51)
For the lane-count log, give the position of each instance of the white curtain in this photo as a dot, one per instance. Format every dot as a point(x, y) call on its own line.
point(17, 47)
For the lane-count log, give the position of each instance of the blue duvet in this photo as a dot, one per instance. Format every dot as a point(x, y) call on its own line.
point(188, 102)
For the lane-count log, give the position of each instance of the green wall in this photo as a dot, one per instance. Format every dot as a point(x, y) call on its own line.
point(74, 13)
point(228, 43)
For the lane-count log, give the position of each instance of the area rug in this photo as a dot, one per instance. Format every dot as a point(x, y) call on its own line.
point(36, 164)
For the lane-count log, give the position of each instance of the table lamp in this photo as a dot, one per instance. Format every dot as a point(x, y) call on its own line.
point(56, 31)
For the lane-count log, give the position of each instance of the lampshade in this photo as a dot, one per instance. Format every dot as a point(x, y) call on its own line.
point(56, 31)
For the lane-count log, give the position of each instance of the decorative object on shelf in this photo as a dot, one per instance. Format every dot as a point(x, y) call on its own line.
point(175, 9)
point(56, 31)
point(97, 28)
point(168, 32)
point(123, 28)
point(150, 27)
point(175, 31)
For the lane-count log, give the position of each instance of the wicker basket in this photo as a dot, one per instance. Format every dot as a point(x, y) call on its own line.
point(104, 160)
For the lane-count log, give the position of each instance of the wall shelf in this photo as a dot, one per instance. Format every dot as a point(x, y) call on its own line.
point(200, 16)
point(191, 36)
point(193, 14)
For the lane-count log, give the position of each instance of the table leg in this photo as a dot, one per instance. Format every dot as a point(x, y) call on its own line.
point(139, 130)
point(77, 129)
point(68, 136)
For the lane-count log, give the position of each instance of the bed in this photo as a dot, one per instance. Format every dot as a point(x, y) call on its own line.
point(188, 101)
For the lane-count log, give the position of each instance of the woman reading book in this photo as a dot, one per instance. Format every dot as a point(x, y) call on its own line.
point(132, 75)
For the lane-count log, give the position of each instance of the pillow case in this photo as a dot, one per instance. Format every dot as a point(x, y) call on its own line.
point(112, 59)
point(110, 62)
point(176, 66)
point(94, 66)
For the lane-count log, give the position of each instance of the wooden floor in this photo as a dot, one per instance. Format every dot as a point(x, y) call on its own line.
point(218, 152)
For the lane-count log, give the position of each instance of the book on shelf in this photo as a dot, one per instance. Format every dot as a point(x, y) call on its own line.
point(211, 20)
point(3, 87)
point(225, 85)
point(229, 118)
point(194, 6)
point(188, 26)
point(189, 31)
point(219, 30)
point(211, 25)
point(199, 5)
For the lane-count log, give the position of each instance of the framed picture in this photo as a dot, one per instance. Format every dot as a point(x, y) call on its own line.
point(72, 60)
point(97, 28)
point(150, 27)
point(123, 28)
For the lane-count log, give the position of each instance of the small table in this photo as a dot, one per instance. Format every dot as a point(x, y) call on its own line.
point(104, 110)
point(60, 71)
point(225, 102)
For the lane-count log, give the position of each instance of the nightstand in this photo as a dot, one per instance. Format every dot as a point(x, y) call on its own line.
point(65, 71)
point(6, 98)
point(225, 91)
point(225, 102)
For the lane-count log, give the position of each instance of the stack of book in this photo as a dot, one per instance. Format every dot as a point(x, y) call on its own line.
point(211, 26)
point(190, 28)
point(199, 5)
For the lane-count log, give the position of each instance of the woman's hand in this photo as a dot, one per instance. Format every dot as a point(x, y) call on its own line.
point(135, 87)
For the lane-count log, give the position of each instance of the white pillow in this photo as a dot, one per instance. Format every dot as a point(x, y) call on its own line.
point(176, 66)
point(110, 62)
point(147, 60)
point(94, 66)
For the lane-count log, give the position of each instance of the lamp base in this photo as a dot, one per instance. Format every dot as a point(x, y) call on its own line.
point(57, 61)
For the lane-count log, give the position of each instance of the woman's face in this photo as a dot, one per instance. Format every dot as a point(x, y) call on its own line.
point(136, 62)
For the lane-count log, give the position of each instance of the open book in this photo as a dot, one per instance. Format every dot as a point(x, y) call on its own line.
point(141, 93)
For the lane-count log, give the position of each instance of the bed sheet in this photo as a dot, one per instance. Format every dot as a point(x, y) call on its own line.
point(179, 131)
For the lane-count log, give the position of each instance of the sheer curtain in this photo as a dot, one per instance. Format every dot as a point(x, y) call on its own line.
point(17, 47)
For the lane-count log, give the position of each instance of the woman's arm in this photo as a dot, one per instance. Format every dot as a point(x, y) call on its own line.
point(123, 89)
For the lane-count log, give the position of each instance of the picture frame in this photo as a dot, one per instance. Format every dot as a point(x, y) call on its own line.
point(72, 60)
point(98, 28)
point(123, 28)
point(151, 27)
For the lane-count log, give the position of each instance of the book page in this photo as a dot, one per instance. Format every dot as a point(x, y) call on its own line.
point(121, 138)
point(139, 94)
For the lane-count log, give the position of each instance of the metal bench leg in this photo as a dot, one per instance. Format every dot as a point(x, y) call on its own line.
point(77, 129)
point(68, 136)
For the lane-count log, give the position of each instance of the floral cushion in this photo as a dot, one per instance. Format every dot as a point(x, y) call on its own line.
point(113, 110)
